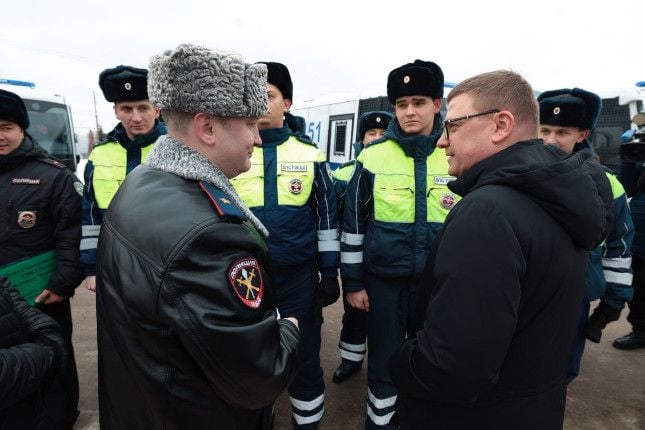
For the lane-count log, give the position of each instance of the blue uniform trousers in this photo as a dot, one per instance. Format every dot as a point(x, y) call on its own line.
point(353, 333)
point(387, 323)
point(295, 288)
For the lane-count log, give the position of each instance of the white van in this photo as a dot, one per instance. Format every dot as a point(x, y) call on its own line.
point(50, 120)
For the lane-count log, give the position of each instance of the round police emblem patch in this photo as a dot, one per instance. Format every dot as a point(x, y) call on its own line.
point(556, 110)
point(27, 219)
point(128, 86)
point(447, 200)
point(295, 186)
point(245, 277)
point(406, 79)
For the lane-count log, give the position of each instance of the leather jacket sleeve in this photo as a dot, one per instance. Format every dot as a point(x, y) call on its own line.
point(247, 355)
point(31, 347)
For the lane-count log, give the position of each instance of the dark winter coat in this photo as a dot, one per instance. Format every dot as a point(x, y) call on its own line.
point(31, 353)
point(33, 183)
point(500, 299)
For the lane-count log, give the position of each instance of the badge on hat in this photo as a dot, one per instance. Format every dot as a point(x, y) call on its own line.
point(447, 200)
point(245, 277)
point(128, 86)
point(27, 219)
point(556, 110)
point(406, 79)
point(295, 186)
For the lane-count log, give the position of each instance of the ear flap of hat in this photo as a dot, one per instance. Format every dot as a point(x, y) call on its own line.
point(371, 120)
point(421, 78)
point(194, 79)
point(278, 75)
point(124, 84)
point(12, 108)
point(255, 91)
point(570, 108)
point(593, 106)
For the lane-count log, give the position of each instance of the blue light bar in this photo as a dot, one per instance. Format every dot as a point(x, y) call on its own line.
point(17, 83)
point(640, 84)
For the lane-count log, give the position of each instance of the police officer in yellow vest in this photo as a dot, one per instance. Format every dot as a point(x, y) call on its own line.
point(289, 188)
point(112, 159)
point(352, 345)
point(396, 202)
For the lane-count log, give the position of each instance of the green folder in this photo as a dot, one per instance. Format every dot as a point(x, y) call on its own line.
point(31, 275)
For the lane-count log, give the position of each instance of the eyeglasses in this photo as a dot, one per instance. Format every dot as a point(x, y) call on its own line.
point(445, 132)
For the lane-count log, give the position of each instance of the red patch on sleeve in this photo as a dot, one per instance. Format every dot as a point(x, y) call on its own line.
point(245, 277)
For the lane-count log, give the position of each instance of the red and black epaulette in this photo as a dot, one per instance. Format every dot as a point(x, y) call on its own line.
point(223, 205)
point(52, 162)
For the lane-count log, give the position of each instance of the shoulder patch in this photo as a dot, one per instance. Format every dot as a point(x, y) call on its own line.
point(305, 139)
point(52, 162)
point(245, 277)
point(223, 205)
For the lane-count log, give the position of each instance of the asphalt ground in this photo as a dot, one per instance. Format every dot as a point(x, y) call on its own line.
point(609, 393)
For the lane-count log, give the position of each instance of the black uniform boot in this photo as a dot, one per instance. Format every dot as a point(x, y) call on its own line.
point(633, 340)
point(346, 369)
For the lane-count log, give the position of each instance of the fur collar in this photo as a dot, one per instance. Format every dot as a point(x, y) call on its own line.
point(172, 156)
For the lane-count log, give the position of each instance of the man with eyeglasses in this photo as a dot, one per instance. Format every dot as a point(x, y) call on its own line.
point(567, 117)
point(397, 201)
point(498, 305)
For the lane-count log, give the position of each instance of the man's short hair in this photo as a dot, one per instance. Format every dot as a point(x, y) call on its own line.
point(503, 90)
point(179, 122)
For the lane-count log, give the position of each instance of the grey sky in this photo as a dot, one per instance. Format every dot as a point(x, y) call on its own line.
point(330, 46)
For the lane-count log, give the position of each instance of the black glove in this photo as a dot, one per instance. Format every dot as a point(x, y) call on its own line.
point(601, 316)
point(328, 290)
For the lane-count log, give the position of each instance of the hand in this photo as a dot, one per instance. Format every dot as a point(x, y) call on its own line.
point(293, 320)
point(328, 291)
point(48, 297)
point(90, 283)
point(359, 300)
point(601, 316)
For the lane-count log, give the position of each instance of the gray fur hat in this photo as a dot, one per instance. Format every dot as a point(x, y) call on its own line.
point(195, 79)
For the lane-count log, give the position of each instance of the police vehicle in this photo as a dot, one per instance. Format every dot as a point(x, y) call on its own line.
point(331, 121)
point(50, 119)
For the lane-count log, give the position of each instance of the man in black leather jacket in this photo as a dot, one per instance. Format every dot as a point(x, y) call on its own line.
point(188, 332)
